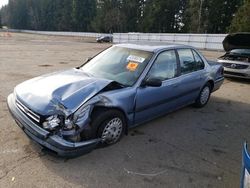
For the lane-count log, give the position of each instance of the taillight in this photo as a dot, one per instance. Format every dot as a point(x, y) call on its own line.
point(220, 72)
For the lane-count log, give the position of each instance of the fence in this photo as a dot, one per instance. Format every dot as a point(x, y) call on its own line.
point(201, 41)
point(59, 33)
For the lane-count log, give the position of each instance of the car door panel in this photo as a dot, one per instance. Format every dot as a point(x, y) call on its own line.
point(154, 101)
point(192, 75)
point(191, 85)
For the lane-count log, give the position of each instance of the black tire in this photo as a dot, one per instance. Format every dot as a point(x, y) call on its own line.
point(101, 119)
point(199, 102)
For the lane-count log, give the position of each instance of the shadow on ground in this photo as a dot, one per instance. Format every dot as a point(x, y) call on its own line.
point(239, 80)
point(191, 146)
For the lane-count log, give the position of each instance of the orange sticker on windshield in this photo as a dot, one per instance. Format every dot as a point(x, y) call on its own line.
point(132, 66)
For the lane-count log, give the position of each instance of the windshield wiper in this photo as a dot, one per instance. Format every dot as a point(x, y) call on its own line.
point(88, 74)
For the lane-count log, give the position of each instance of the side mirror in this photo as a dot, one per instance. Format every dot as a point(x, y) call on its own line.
point(153, 82)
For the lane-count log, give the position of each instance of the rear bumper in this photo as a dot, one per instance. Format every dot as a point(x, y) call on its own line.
point(43, 137)
point(218, 83)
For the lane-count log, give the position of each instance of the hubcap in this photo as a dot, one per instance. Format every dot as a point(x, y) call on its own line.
point(204, 95)
point(112, 131)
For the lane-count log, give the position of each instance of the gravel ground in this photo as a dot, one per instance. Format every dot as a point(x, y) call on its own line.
point(188, 148)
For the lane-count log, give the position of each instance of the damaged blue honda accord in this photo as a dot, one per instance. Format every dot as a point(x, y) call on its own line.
point(72, 112)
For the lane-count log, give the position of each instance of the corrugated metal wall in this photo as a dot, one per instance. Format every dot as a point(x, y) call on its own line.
point(59, 33)
point(201, 41)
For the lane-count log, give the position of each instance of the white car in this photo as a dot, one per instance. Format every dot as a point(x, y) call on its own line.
point(236, 61)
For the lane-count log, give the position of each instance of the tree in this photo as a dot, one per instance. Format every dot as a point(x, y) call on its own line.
point(63, 15)
point(109, 17)
point(0, 21)
point(241, 21)
point(206, 16)
point(58, 15)
point(163, 15)
point(196, 16)
point(49, 15)
point(220, 14)
point(132, 10)
point(4, 15)
point(82, 14)
point(18, 14)
point(34, 13)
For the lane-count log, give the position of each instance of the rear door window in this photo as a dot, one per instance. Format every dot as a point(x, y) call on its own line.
point(199, 62)
point(187, 62)
point(190, 61)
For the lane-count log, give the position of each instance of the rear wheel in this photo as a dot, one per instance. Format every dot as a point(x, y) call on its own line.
point(204, 96)
point(110, 126)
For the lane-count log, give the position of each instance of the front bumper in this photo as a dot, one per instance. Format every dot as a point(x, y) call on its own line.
point(45, 138)
point(237, 73)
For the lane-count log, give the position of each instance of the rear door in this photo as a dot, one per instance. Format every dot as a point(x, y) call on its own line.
point(192, 74)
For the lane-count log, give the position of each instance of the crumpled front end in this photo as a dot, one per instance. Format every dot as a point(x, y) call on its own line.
point(64, 142)
point(55, 110)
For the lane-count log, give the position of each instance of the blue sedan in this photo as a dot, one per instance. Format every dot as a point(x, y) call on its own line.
point(72, 112)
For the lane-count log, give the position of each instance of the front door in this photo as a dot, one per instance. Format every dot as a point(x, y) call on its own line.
point(155, 101)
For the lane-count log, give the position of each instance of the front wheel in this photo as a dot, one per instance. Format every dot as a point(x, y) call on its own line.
point(203, 97)
point(110, 126)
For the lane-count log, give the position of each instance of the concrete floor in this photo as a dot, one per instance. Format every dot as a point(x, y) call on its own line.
point(188, 148)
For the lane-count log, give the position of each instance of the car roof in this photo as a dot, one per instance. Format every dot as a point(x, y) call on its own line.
point(152, 47)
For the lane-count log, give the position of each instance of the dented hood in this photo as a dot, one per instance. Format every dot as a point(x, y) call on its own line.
point(236, 41)
point(69, 89)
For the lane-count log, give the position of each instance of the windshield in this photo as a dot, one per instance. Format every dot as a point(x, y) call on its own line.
point(123, 65)
point(241, 51)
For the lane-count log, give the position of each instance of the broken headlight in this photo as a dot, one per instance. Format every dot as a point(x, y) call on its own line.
point(51, 122)
point(79, 117)
point(68, 124)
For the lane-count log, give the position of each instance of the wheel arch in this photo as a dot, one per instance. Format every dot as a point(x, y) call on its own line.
point(99, 109)
point(211, 82)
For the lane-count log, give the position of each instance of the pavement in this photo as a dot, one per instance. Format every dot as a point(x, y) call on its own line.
point(187, 148)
